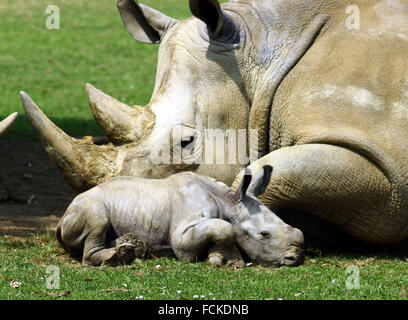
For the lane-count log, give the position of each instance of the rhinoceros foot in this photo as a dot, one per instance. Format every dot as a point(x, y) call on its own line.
point(140, 246)
point(122, 254)
point(235, 264)
point(218, 260)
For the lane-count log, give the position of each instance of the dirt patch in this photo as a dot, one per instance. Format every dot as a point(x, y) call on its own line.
point(26, 171)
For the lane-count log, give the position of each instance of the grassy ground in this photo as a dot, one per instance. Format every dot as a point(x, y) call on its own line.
point(52, 66)
point(93, 46)
point(323, 276)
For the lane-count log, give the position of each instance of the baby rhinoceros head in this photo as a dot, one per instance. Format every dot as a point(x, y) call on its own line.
point(261, 234)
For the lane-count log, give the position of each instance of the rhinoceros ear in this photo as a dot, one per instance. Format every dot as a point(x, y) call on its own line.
point(210, 12)
point(261, 181)
point(243, 187)
point(143, 23)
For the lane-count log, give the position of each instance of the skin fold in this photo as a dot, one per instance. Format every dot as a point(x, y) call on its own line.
point(188, 216)
point(329, 103)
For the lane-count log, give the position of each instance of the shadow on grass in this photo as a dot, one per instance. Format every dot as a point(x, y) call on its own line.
point(324, 239)
point(355, 249)
point(75, 127)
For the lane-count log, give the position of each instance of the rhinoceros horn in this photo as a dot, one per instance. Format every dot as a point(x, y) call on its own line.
point(120, 122)
point(82, 163)
point(6, 124)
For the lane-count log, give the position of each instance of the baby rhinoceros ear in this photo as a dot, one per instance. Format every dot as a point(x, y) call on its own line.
point(243, 187)
point(261, 181)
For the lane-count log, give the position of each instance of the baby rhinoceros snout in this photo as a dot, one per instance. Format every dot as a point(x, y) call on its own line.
point(294, 255)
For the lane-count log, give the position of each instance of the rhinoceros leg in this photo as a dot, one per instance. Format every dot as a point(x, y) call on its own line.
point(83, 230)
point(140, 247)
point(145, 249)
point(212, 238)
point(336, 184)
point(96, 252)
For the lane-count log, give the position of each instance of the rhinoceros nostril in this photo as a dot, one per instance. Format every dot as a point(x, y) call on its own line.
point(291, 261)
point(290, 258)
point(293, 257)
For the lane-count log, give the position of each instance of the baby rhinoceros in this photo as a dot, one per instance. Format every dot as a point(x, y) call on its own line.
point(187, 216)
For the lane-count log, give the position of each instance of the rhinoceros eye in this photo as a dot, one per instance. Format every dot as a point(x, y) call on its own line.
point(265, 234)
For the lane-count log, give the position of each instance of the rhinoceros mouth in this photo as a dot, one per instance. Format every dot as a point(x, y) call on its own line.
point(83, 163)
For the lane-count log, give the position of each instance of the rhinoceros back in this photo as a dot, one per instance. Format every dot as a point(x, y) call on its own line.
point(138, 206)
point(351, 90)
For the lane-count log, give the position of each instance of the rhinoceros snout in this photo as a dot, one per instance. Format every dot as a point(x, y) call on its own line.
point(294, 255)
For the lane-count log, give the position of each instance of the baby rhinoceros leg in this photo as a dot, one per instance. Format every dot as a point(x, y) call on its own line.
point(139, 246)
point(97, 253)
point(122, 254)
point(212, 238)
point(84, 228)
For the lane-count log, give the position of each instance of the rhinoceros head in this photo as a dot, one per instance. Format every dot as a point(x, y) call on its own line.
point(261, 234)
point(6, 124)
point(201, 84)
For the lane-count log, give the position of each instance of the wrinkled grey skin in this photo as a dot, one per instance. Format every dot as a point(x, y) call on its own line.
point(329, 103)
point(186, 215)
point(6, 124)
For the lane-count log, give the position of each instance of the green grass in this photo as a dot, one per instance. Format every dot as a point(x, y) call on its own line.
point(323, 276)
point(52, 66)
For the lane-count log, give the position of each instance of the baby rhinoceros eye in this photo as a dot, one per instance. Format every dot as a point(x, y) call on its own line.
point(265, 234)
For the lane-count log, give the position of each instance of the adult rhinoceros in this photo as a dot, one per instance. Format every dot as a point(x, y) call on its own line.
point(325, 85)
point(6, 124)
